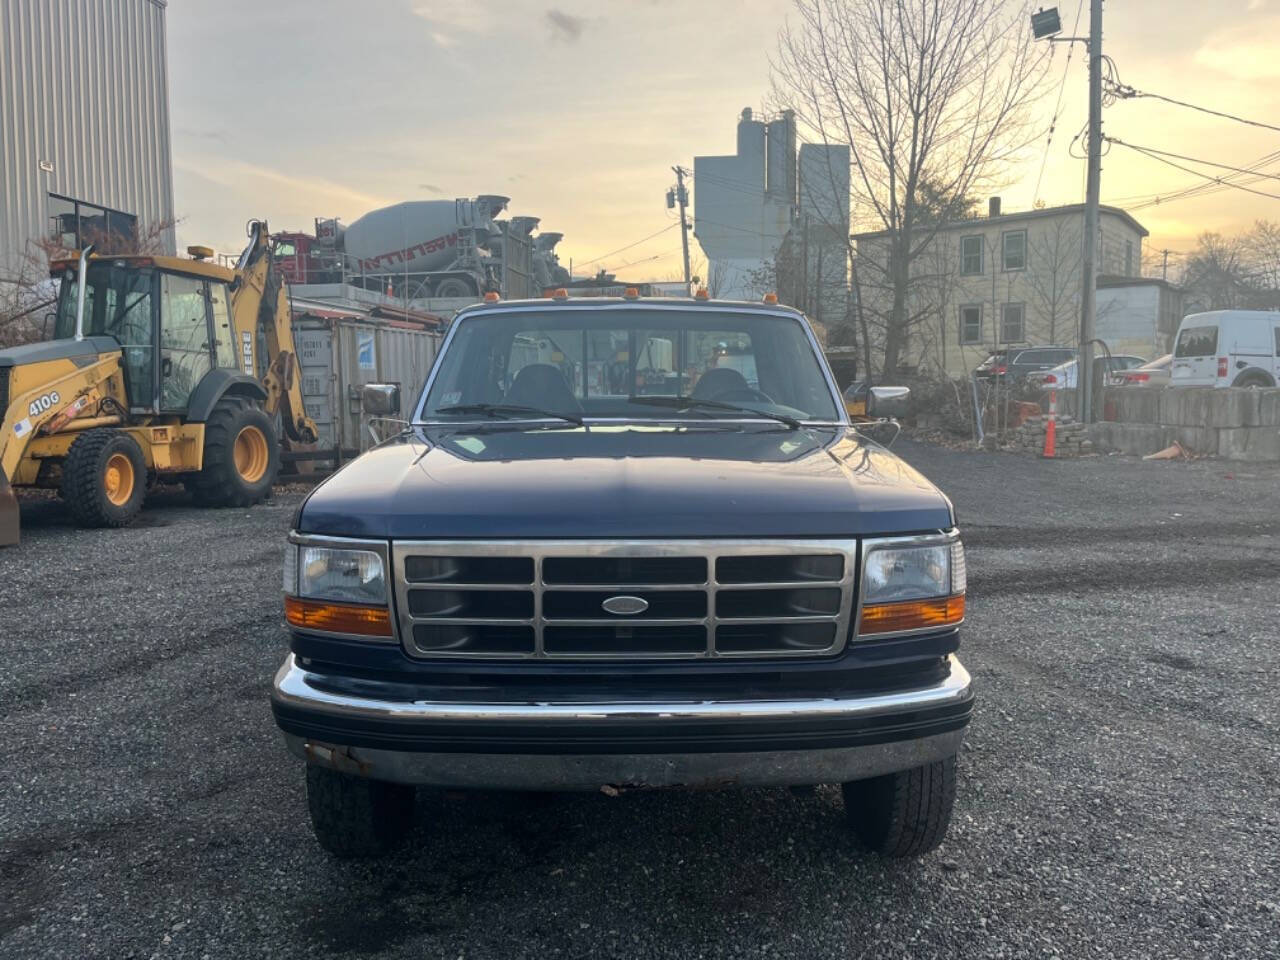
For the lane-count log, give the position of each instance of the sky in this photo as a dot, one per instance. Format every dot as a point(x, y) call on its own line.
point(577, 110)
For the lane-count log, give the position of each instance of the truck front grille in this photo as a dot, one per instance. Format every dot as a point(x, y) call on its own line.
point(686, 599)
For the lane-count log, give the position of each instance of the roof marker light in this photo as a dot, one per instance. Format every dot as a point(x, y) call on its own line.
point(631, 293)
point(770, 298)
point(491, 297)
point(560, 294)
point(701, 294)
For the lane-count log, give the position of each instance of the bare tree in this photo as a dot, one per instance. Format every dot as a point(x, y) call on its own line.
point(1053, 274)
point(1262, 249)
point(1216, 276)
point(28, 296)
point(933, 92)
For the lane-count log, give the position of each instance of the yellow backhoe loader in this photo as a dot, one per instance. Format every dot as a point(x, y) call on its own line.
point(160, 368)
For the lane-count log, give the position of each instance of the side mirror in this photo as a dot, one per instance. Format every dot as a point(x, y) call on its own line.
point(380, 399)
point(888, 401)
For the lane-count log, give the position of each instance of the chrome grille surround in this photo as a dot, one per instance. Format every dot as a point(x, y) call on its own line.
point(839, 615)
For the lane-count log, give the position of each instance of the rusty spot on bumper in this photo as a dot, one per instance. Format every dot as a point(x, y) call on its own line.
point(335, 758)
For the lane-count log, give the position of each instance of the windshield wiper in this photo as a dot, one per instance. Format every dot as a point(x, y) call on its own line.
point(508, 411)
point(685, 403)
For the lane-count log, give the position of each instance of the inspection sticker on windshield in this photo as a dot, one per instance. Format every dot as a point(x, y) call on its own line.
point(22, 427)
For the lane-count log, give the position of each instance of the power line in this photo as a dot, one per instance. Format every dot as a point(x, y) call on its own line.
point(605, 256)
point(1057, 110)
point(1126, 92)
point(1199, 189)
point(1206, 176)
point(1207, 163)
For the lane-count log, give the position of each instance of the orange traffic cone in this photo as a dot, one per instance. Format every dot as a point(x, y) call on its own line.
point(1051, 428)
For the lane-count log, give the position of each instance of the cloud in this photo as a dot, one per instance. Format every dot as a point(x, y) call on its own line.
point(565, 26)
point(238, 173)
point(453, 20)
point(1244, 52)
point(430, 188)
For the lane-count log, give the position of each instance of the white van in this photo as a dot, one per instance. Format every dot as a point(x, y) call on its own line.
point(1227, 348)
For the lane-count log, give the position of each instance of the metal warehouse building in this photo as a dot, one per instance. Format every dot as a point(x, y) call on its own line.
point(84, 123)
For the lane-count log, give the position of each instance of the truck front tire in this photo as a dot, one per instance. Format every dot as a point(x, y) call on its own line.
point(104, 478)
point(357, 817)
point(241, 455)
point(903, 814)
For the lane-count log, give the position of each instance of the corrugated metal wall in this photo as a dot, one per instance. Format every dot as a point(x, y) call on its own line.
point(84, 88)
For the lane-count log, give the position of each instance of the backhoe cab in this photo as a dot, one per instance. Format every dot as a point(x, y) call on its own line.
point(160, 367)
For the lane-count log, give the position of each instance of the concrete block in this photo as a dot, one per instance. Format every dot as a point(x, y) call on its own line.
point(1137, 404)
point(1135, 439)
point(1201, 440)
point(1269, 408)
point(1249, 443)
point(1234, 407)
point(1186, 406)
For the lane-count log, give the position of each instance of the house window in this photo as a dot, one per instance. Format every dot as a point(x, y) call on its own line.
point(971, 256)
point(1013, 327)
point(1128, 258)
point(1013, 250)
point(970, 324)
point(75, 223)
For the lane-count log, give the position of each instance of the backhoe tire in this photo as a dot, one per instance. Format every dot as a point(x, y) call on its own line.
point(104, 478)
point(903, 814)
point(241, 455)
point(355, 817)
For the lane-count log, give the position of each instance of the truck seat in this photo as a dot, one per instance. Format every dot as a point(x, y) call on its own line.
point(542, 385)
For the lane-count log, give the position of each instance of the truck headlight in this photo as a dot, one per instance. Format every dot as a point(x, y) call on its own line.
point(337, 590)
point(912, 587)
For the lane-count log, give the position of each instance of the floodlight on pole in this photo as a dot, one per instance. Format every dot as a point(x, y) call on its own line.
point(1046, 23)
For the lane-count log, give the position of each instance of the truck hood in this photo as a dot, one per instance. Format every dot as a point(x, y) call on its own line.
point(626, 482)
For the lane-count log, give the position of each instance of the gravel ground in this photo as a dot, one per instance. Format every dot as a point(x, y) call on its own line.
point(1119, 792)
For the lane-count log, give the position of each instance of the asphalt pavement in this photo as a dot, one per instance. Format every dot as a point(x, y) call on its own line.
point(1119, 793)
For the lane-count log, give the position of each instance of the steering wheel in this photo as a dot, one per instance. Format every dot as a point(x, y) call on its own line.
point(743, 393)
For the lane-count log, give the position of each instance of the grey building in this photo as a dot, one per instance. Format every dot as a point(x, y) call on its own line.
point(762, 216)
point(84, 115)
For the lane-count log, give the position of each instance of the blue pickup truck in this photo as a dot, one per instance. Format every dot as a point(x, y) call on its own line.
point(625, 543)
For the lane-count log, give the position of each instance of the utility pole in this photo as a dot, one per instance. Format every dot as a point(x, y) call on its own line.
point(803, 290)
point(1088, 304)
point(1164, 267)
point(682, 198)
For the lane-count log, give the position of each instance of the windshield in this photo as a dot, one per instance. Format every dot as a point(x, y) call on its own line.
point(117, 302)
point(602, 363)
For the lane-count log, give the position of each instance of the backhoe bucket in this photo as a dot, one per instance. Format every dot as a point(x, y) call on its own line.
point(8, 513)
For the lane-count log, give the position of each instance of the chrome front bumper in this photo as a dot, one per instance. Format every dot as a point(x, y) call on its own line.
point(584, 746)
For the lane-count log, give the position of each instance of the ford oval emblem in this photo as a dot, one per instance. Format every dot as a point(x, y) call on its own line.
point(625, 606)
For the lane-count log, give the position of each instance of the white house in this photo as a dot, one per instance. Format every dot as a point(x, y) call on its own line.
point(993, 281)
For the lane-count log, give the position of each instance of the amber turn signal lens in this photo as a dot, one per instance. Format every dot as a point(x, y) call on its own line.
point(911, 615)
point(337, 617)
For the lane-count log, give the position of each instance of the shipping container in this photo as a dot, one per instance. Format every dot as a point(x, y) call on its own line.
point(339, 354)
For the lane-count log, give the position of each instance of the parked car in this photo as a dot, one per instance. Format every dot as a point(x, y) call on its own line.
point(1153, 374)
point(1015, 363)
point(1227, 348)
point(547, 584)
point(1063, 376)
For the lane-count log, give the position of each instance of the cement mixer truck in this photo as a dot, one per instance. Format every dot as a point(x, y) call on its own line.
point(416, 250)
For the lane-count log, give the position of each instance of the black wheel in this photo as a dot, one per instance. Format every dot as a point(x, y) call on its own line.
point(104, 478)
point(356, 817)
point(241, 455)
point(454, 287)
point(903, 814)
point(1251, 379)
